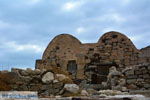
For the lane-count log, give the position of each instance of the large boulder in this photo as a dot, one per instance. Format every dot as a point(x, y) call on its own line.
point(73, 88)
point(48, 77)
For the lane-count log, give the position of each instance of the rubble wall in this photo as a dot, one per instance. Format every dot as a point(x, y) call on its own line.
point(145, 54)
point(45, 82)
point(112, 47)
point(138, 77)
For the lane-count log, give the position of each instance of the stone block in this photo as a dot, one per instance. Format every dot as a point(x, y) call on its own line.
point(148, 67)
point(131, 76)
point(146, 85)
point(48, 77)
point(131, 81)
point(140, 79)
point(146, 76)
point(145, 71)
point(138, 72)
point(129, 72)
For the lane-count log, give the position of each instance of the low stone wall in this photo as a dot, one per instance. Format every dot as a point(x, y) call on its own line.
point(138, 77)
point(135, 77)
point(45, 82)
point(56, 82)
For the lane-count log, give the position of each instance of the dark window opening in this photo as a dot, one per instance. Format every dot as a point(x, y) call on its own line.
point(99, 74)
point(103, 70)
point(91, 49)
point(98, 79)
point(72, 67)
point(95, 79)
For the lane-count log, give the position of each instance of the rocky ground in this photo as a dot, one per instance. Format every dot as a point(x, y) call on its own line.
point(133, 97)
point(55, 82)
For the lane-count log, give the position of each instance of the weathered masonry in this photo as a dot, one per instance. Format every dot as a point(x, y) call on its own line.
point(90, 61)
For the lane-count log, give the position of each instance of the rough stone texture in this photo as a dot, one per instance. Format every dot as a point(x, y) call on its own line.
point(73, 88)
point(68, 53)
point(84, 93)
point(111, 63)
point(140, 78)
point(48, 77)
point(61, 77)
point(42, 81)
point(145, 54)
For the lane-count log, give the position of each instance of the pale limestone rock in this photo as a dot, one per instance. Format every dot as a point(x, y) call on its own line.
point(73, 88)
point(48, 77)
point(111, 92)
point(84, 93)
point(55, 81)
point(61, 77)
point(37, 71)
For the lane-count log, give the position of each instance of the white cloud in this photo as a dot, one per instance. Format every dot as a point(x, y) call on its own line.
point(24, 47)
point(69, 6)
point(80, 30)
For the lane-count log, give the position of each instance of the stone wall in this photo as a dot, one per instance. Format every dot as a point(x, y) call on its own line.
point(112, 47)
point(135, 77)
point(45, 82)
point(145, 54)
point(49, 83)
point(111, 63)
point(138, 77)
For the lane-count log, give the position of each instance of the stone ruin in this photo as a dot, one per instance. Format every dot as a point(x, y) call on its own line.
point(69, 67)
point(90, 61)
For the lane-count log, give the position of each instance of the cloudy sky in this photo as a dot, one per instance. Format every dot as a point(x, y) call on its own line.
point(27, 26)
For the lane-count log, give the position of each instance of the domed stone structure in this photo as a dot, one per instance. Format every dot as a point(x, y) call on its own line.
point(89, 61)
point(118, 48)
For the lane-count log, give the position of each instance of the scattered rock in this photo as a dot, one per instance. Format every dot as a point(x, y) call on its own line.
point(61, 77)
point(55, 81)
point(48, 77)
point(37, 71)
point(73, 88)
point(24, 73)
point(112, 92)
point(84, 93)
point(131, 81)
point(29, 71)
point(92, 91)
